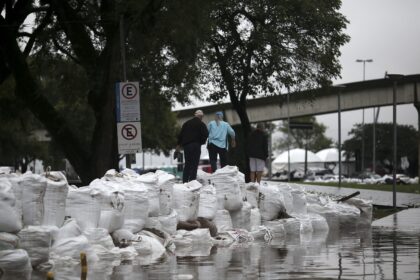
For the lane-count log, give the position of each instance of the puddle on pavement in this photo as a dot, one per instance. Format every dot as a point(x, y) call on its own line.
point(372, 254)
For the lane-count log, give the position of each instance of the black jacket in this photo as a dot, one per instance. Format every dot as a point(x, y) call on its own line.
point(258, 145)
point(193, 131)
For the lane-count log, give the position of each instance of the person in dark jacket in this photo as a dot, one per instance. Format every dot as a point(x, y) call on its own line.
point(193, 134)
point(257, 152)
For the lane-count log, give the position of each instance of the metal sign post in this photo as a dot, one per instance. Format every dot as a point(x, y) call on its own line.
point(128, 119)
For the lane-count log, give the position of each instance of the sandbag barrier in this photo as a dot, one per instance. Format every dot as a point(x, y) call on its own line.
point(46, 224)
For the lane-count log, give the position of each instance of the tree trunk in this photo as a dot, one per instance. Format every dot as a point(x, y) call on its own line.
point(102, 98)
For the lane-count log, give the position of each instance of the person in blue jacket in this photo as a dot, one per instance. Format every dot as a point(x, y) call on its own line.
point(218, 140)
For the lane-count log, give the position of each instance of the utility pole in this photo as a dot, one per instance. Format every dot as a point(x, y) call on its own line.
point(363, 111)
point(394, 78)
point(340, 87)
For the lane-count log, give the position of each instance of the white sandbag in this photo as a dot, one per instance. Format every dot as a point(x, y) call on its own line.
point(271, 202)
point(276, 229)
point(255, 221)
point(228, 188)
point(286, 191)
point(128, 253)
point(33, 191)
point(291, 226)
point(136, 208)
point(203, 177)
point(83, 205)
point(111, 220)
point(102, 244)
point(299, 201)
point(193, 237)
point(36, 240)
point(241, 219)
point(150, 181)
point(123, 236)
point(55, 199)
point(166, 183)
point(319, 223)
point(207, 206)
point(71, 248)
point(338, 215)
point(305, 224)
point(366, 209)
point(14, 179)
point(147, 245)
point(251, 194)
point(169, 222)
point(223, 221)
point(8, 241)
point(14, 261)
point(9, 219)
point(185, 200)
point(153, 223)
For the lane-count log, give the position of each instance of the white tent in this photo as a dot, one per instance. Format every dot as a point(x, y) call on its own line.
point(330, 155)
point(297, 161)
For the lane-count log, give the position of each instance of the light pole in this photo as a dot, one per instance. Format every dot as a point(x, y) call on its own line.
point(339, 87)
point(394, 78)
point(364, 61)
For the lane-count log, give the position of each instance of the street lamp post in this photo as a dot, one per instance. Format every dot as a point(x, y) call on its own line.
point(394, 78)
point(340, 87)
point(364, 61)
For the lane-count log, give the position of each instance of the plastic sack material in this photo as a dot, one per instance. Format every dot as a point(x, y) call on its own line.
point(299, 201)
point(150, 181)
point(207, 206)
point(255, 220)
point(365, 208)
point(14, 261)
point(83, 205)
point(169, 222)
point(36, 240)
point(186, 199)
point(9, 219)
point(166, 183)
point(276, 228)
point(55, 199)
point(8, 241)
point(147, 245)
point(271, 202)
point(136, 209)
point(33, 191)
point(250, 193)
point(241, 219)
point(286, 191)
point(102, 244)
point(223, 221)
point(228, 189)
point(198, 236)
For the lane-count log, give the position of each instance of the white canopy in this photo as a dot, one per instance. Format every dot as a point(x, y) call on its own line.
point(296, 156)
point(330, 155)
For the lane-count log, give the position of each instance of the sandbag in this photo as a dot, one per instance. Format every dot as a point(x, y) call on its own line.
point(102, 244)
point(365, 208)
point(9, 219)
point(319, 223)
point(36, 240)
point(14, 179)
point(169, 222)
point(14, 261)
point(207, 206)
point(228, 189)
point(147, 245)
point(69, 229)
point(83, 205)
point(271, 202)
point(153, 223)
point(8, 241)
point(292, 226)
point(241, 219)
point(185, 200)
point(55, 199)
point(123, 237)
point(72, 247)
point(166, 183)
point(223, 221)
point(299, 201)
point(276, 228)
point(150, 181)
point(136, 208)
point(286, 191)
point(251, 194)
point(255, 220)
point(193, 237)
point(33, 191)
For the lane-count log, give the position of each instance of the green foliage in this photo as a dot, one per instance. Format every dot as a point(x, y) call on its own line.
point(316, 137)
point(406, 143)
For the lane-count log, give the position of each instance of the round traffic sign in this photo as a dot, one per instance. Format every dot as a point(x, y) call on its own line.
point(129, 132)
point(129, 90)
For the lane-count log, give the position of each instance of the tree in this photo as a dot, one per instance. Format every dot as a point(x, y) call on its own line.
point(316, 139)
point(406, 144)
point(261, 47)
point(88, 33)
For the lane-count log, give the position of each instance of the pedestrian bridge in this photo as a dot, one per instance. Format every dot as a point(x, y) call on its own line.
point(354, 96)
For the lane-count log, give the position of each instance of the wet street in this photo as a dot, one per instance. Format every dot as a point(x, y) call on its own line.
point(371, 254)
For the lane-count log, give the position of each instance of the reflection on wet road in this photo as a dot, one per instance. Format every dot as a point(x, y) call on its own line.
point(372, 254)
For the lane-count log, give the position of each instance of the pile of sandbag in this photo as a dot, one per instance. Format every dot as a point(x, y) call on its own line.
point(45, 222)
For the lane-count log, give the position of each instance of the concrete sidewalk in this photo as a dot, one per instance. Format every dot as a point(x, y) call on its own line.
point(383, 198)
point(406, 220)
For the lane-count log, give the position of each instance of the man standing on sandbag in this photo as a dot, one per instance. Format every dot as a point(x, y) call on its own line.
point(257, 152)
point(218, 140)
point(193, 134)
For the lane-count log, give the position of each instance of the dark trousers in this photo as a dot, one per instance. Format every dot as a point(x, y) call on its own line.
point(192, 158)
point(213, 152)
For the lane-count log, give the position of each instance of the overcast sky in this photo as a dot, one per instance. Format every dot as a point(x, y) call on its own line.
point(387, 31)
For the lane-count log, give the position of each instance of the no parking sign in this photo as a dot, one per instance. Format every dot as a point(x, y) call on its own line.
point(128, 117)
